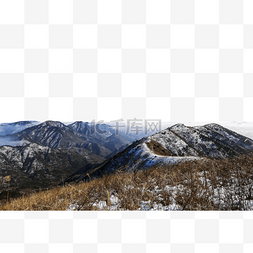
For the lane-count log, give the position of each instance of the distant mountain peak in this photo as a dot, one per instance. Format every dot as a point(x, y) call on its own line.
point(213, 125)
point(53, 123)
point(176, 126)
point(80, 123)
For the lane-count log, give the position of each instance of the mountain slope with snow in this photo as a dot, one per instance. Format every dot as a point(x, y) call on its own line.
point(36, 166)
point(76, 135)
point(174, 144)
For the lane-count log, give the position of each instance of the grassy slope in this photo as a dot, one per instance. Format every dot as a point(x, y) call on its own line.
point(195, 185)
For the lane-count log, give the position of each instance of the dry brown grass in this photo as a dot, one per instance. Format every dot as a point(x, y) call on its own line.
point(193, 185)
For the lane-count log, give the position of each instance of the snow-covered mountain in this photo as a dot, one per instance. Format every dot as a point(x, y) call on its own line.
point(174, 144)
point(79, 135)
point(100, 139)
point(42, 154)
point(88, 129)
point(39, 154)
point(36, 166)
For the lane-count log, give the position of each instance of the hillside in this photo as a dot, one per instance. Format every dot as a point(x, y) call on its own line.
point(54, 153)
point(211, 184)
point(41, 155)
point(35, 166)
point(172, 145)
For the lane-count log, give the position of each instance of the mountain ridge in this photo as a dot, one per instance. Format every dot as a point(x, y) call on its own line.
point(174, 144)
